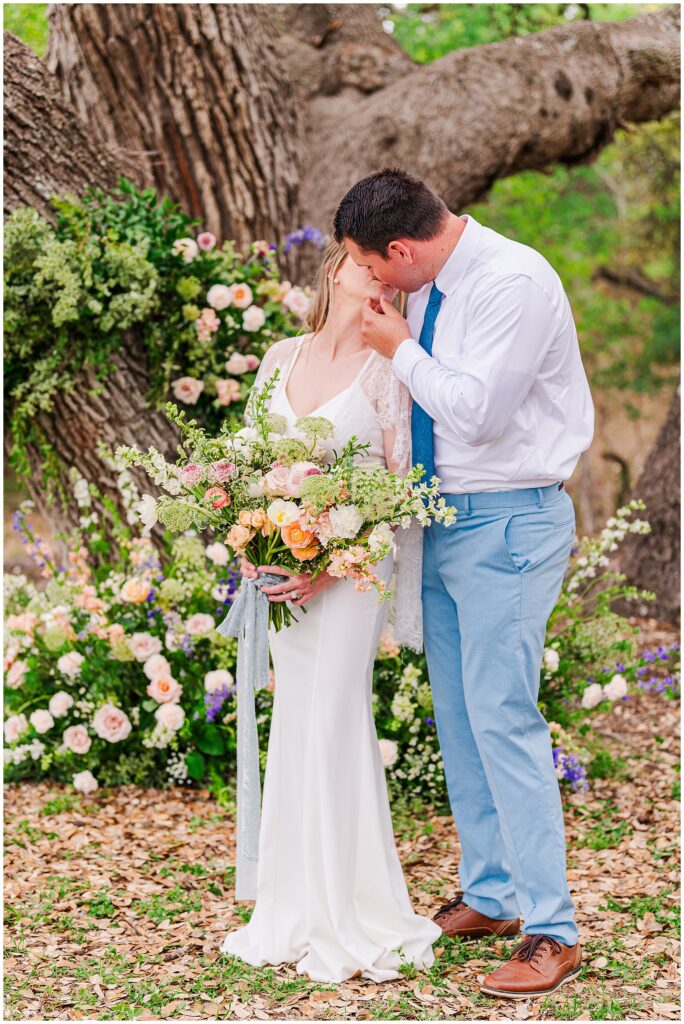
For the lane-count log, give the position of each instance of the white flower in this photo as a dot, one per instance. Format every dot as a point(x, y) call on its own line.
point(592, 696)
point(283, 513)
point(60, 703)
point(345, 521)
point(143, 645)
point(551, 659)
point(41, 720)
point(147, 510)
point(381, 535)
point(253, 318)
point(616, 688)
point(170, 715)
point(185, 247)
point(219, 296)
point(217, 679)
point(297, 302)
point(85, 782)
point(70, 664)
point(155, 666)
point(199, 623)
point(218, 553)
point(388, 752)
point(15, 726)
point(238, 363)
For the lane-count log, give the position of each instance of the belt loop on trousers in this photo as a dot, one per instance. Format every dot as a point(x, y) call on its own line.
point(540, 496)
point(467, 504)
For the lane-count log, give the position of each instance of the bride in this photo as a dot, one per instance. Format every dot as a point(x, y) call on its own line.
point(331, 895)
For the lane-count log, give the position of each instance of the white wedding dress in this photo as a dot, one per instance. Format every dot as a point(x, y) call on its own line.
point(331, 895)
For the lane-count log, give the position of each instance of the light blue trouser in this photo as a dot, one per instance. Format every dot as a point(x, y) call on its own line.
point(490, 582)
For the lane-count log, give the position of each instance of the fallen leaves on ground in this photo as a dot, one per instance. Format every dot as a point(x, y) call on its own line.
point(116, 904)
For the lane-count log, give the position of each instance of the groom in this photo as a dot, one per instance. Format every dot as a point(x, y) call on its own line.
point(501, 413)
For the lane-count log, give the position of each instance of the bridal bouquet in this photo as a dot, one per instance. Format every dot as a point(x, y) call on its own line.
point(284, 500)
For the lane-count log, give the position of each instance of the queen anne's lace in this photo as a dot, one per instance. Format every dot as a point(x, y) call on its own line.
point(390, 400)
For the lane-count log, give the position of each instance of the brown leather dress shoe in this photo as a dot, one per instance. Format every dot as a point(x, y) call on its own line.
point(538, 966)
point(457, 919)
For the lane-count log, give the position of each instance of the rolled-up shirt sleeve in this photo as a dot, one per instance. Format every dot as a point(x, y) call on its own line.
point(511, 323)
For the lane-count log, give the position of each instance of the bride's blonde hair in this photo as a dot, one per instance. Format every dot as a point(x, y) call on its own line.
point(332, 259)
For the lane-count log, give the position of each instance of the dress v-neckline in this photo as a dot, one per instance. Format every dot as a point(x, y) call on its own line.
point(329, 400)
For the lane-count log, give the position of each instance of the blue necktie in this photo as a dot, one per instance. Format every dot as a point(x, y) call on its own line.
point(421, 422)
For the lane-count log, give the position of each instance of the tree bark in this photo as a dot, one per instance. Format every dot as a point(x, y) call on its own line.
point(652, 561)
point(197, 95)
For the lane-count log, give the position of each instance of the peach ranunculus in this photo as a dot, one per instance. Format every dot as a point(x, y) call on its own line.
point(23, 623)
point(217, 497)
point(76, 739)
point(165, 689)
point(111, 723)
point(238, 537)
point(242, 296)
point(187, 389)
point(135, 590)
point(304, 554)
point(297, 473)
point(295, 537)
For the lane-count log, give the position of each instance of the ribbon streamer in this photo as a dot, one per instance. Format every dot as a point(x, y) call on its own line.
point(248, 621)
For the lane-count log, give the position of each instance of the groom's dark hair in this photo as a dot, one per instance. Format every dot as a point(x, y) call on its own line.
point(386, 205)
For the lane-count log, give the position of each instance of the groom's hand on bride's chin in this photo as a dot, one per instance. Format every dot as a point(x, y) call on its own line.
point(384, 331)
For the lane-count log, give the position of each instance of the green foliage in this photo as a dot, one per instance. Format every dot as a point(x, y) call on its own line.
point(28, 22)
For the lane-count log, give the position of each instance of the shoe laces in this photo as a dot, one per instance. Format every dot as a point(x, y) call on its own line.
point(452, 904)
point(531, 947)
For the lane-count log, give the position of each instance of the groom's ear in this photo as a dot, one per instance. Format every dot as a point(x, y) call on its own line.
point(401, 250)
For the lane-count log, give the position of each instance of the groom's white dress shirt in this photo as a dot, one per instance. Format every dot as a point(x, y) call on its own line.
point(505, 384)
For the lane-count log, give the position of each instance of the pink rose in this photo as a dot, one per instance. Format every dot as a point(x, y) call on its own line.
point(111, 723)
point(297, 473)
point(41, 720)
point(191, 474)
point(85, 782)
point(15, 676)
point(143, 645)
point(276, 483)
point(217, 679)
point(227, 391)
point(187, 389)
point(206, 240)
point(297, 302)
point(254, 318)
point(23, 623)
point(199, 624)
point(156, 665)
point(170, 715)
point(60, 703)
point(252, 362)
point(70, 664)
point(15, 726)
point(237, 364)
point(76, 739)
point(165, 689)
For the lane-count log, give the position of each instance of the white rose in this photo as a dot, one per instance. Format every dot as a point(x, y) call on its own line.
point(253, 319)
point(388, 752)
point(616, 688)
point(218, 553)
point(146, 509)
point(70, 664)
point(85, 782)
point(592, 696)
point(199, 624)
point(219, 296)
point(345, 521)
point(143, 645)
point(217, 679)
point(551, 659)
point(41, 720)
point(155, 666)
point(283, 513)
point(76, 739)
point(238, 363)
point(170, 715)
point(185, 247)
point(381, 534)
point(60, 703)
point(15, 726)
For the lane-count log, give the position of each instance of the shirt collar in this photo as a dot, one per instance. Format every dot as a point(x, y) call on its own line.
point(455, 267)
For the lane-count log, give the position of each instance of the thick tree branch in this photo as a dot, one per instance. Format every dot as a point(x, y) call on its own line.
point(481, 114)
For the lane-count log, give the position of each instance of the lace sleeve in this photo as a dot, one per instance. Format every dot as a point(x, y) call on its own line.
point(276, 357)
point(391, 400)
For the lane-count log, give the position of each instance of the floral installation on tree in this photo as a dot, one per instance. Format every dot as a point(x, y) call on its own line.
point(288, 500)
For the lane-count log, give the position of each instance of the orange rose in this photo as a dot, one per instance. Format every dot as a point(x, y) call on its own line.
point(245, 518)
point(304, 554)
point(217, 496)
point(295, 537)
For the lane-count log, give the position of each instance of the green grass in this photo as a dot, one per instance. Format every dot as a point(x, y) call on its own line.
point(608, 830)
